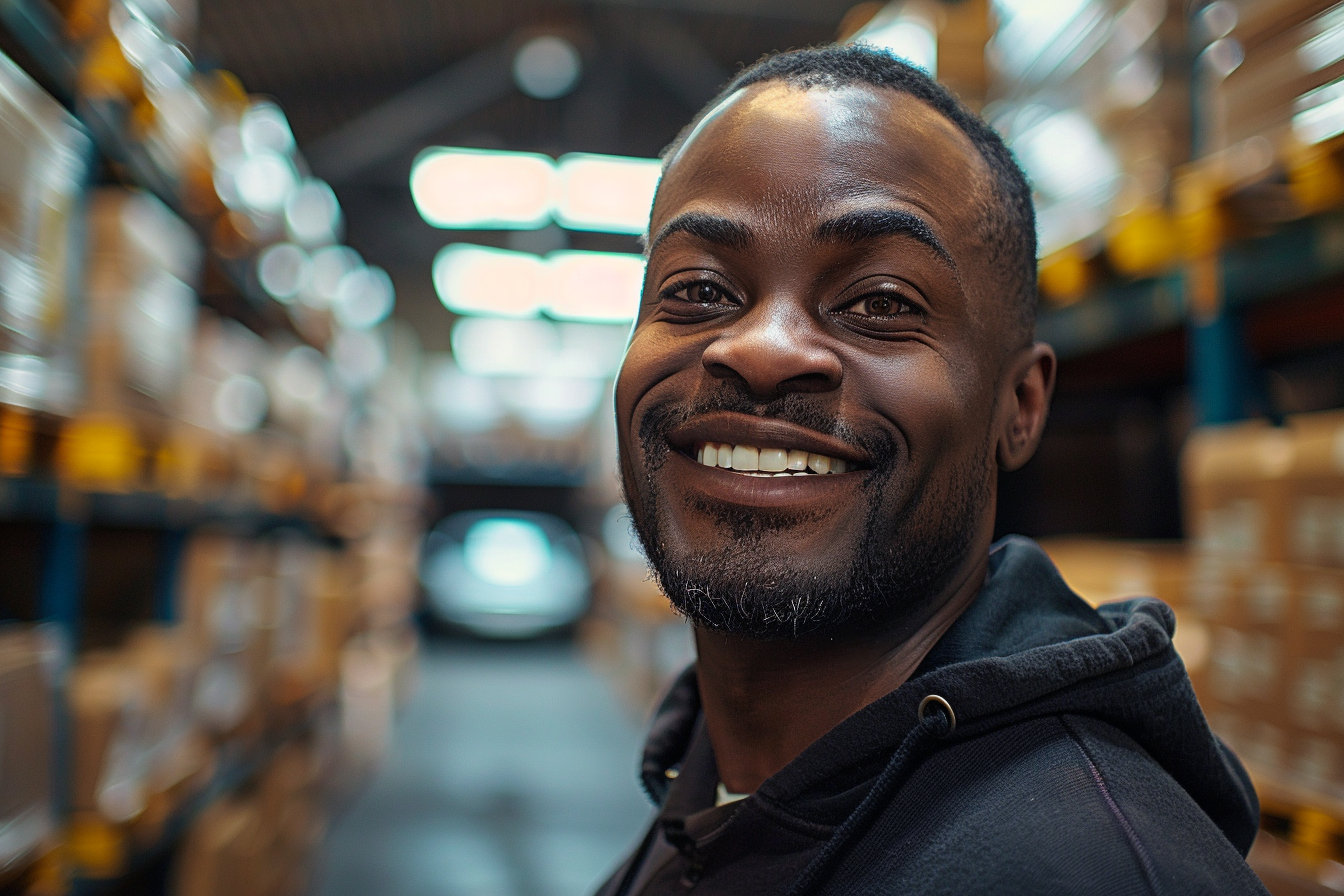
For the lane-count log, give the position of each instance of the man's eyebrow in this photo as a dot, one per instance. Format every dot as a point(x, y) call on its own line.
point(868, 224)
point(711, 228)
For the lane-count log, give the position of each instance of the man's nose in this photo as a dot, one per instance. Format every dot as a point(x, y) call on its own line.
point(773, 349)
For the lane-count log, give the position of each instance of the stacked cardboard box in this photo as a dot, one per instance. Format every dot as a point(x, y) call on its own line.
point(27, 797)
point(114, 379)
point(266, 645)
point(140, 751)
point(141, 314)
point(46, 155)
point(1258, 592)
point(1101, 571)
point(1265, 507)
point(1267, 92)
point(218, 608)
point(257, 842)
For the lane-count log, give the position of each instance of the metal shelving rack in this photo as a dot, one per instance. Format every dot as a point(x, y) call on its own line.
point(1292, 257)
point(36, 26)
point(1300, 255)
point(68, 517)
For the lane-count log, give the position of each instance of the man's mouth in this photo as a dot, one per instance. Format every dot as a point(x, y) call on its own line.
point(751, 460)
point(763, 462)
point(762, 447)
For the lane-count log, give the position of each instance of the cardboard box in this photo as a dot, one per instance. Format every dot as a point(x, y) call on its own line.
point(1236, 503)
point(143, 264)
point(1314, 679)
point(1255, 492)
point(213, 604)
point(27, 819)
point(1259, 21)
point(41, 184)
point(1104, 570)
point(1247, 613)
point(1257, 98)
point(108, 721)
point(224, 852)
point(1273, 684)
point(1315, 527)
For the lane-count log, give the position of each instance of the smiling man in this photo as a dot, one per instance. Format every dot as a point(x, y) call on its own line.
point(834, 358)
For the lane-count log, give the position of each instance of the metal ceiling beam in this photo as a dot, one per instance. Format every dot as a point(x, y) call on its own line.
point(388, 128)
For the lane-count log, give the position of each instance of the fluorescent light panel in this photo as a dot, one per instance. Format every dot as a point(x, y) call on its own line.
point(482, 280)
point(487, 189)
point(612, 194)
point(498, 347)
point(600, 287)
point(476, 188)
point(1319, 114)
point(1326, 46)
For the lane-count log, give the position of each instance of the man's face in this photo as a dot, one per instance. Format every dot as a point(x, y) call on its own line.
point(818, 295)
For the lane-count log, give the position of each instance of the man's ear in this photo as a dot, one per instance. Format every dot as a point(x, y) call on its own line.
point(1031, 376)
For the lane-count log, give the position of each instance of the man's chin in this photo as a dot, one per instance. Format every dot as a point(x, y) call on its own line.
point(819, 577)
point(760, 596)
point(785, 572)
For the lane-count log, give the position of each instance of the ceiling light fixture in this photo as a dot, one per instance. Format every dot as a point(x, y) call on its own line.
point(600, 287)
point(547, 68)
point(612, 194)
point(497, 347)
point(482, 280)
point(475, 188)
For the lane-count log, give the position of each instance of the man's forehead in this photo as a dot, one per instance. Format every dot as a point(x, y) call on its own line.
point(777, 105)
point(867, 138)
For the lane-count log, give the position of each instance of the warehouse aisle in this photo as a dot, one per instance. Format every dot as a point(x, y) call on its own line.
point(512, 774)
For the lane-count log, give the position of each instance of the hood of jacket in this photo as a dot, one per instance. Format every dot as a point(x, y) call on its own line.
point(1027, 647)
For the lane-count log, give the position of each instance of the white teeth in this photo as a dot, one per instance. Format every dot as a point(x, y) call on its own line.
point(753, 461)
point(773, 460)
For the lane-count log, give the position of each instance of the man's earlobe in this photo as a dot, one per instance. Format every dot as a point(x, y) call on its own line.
point(1032, 377)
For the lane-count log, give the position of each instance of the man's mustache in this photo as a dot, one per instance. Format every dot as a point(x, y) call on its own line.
point(809, 410)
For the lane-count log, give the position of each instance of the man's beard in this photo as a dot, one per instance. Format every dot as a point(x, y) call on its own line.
point(898, 565)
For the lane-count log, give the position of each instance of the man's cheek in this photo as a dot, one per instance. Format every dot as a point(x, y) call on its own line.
point(639, 370)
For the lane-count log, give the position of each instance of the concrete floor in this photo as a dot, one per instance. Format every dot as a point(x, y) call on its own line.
point(513, 773)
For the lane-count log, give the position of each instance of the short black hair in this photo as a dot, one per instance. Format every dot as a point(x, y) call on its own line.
point(1008, 217)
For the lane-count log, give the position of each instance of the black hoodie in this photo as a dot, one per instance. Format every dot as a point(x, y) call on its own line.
point(1078, 762)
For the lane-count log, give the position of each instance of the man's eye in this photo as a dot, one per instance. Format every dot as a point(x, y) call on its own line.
point(703, 293)
point(878, 305)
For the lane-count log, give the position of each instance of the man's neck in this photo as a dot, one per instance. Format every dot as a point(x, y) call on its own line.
point(767, 701)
